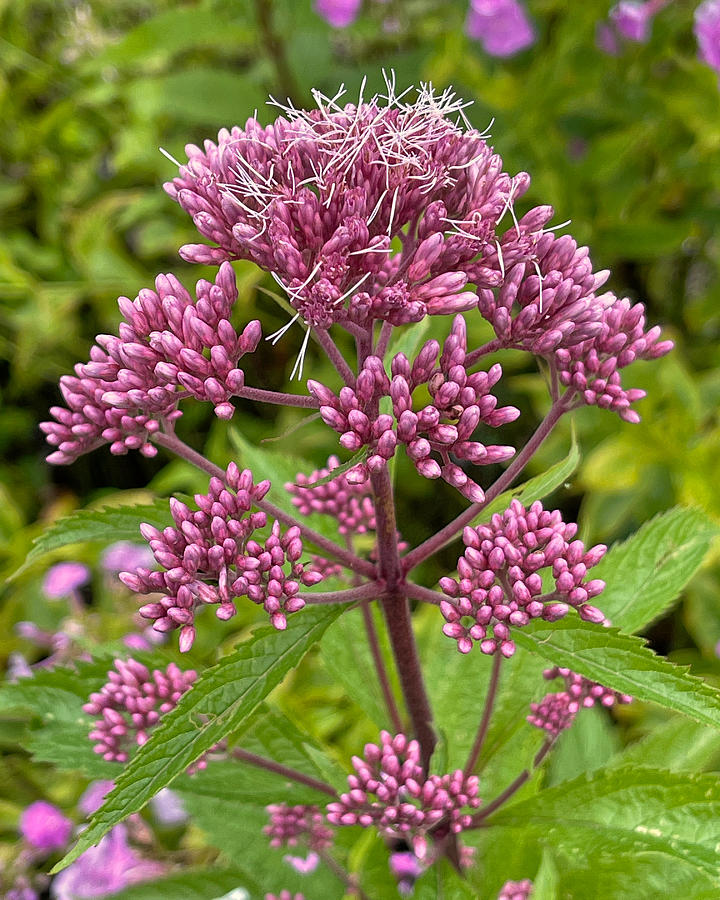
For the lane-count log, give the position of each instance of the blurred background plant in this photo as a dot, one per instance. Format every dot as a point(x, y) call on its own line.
point(621, 136)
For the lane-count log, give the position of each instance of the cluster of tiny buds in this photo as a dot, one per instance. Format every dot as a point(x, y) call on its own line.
point(556, 712)
point(290, 824)
point(341, 497)
point(390, 791)
point(285, 895)
point(499, 583)
point(131, 703)
point(443, 428)
point(516, 890)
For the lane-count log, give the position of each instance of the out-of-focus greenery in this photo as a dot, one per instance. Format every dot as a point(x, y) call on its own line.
point(626, 147)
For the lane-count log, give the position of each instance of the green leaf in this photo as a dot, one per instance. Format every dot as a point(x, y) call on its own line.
point(629, 812)
point(677, 744)
point(217, 704)
point(407, 340)
point(646, 573)
point(623, 663)
point(196, 884)
point(546, 882)
point(443, 882)
point(585, 747)
point(112, 523)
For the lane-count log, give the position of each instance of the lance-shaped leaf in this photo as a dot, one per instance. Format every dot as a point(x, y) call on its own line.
point(217, 704)
point(623, 663)
point(631, 812)
point(646, 573)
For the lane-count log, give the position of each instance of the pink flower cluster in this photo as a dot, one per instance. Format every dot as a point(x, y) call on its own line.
point(209, 559)
point(390, 791)
point(169, 347)
point(343, 497)
point(289, 824)
point(456, 397)
point(516, 890)
point(500, 584)
point(556, 712)
point(131, 704)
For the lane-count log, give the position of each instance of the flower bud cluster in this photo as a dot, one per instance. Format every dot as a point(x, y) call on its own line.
point(131, 703)
point(342, 497)
point(208, 559)
point(459, 403)
point(390, 791)
point(556, 712)
point(288, 824)
point(500, 584)
point(169, 347)
point(516, 890)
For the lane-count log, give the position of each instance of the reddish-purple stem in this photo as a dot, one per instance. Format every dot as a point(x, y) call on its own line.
point(380, 668)
point(372, 591)
point(418, 592)
point(277, 398)
point(285, 771)
point(335, 356)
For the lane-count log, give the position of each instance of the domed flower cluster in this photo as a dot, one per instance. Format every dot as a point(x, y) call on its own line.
point(209, 559)
point(290, 824)
point(169, 347)
point(500, 584)
point(556, 712)
point(443, 427)
point(391, 792)
point(342, 497)
point(131, 704)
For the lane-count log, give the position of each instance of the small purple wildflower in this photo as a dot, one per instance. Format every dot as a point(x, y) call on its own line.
point(304, 865)
point(406, 868)
point(168, 808)
point(63, 579)
point(707, 32)
point(290, 824)
point(131, 703)
point(516, 890)
point(503, 27)
point(390, 791)
point(500, 585)
point(632, 19)
point(125, 555)
point(45, 827)
point(338, 13)
point(556, 712)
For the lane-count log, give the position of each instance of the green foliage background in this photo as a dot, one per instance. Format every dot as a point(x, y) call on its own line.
point(626, 147)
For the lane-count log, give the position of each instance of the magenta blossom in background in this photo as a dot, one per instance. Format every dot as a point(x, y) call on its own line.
point(105, 869)
point(632, 20)
point(44, 827)
point(338, 13)
point(502, 26)
point(516, 890)
point(707, 32)
point(407, 868)
point(94, 795)
point(124, 555)
point(303, 864)
point(168, 809)
point(64, 579)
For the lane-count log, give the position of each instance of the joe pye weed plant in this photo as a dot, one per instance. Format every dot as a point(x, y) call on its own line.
point(379, 219)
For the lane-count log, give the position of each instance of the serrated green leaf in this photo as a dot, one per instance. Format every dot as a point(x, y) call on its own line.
point(623, 663)
point(195, 884)
point(217, 704)
point(645, 574)
point(626, 811)
point(677, 745)
point(107, 525)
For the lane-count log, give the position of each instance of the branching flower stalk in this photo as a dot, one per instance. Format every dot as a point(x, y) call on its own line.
point(371, 216)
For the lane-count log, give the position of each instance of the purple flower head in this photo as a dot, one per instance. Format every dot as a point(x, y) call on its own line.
point(208, 559)
point(556, 712)
point(342, 497)
point(460, 401)
point(632, 19)
point(105, 869)
point(290, 825)
point(391, 792)
point(516, 890)
point(131, 704)
point(338, 13)
point(499, 583)
point(707, 32)
point(63, 579)
point(304, 865)
point(125, 555)
point(317, 199)
point(45, 827)
point(502, 26)
point(94, 795)
point(168, 808)
point(169, 347)
point(406, 868)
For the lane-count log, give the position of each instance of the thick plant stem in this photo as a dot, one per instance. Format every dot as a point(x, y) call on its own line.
point(418, 592)
point(487, 713)
point(396, 609)
point(380, 668)
point(285, 771)
point(173, 443)
point(277, 398)
point(383, 340)
point(335, 356)
point(475, 355)
point(445, 535)
point(365, 592)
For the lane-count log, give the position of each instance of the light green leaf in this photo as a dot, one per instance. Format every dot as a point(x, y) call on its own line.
point(677, 744)
point(195, 884)
point(626, 811)
point(546, 882)
point(585, 747)
point(104, 526)
point(624, 663)
point(646, 573)
point(217, 704)
point(407, 340)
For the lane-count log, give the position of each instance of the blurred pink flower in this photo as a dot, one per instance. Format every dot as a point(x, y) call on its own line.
point(502, 26)
point(63, 579)
point(45, 827)
point(124, 555)
point(94, 795)
point(338, 13)
point(707, 32)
